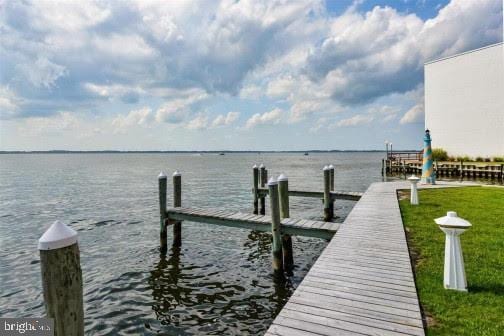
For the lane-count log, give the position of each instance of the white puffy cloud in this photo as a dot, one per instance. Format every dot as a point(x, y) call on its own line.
point(141, 116)
point(373, 54)
point(198, 123)
point(179, 107)
point(414, 114)
point(358, 119)
point(225, 120)
point(272, 117)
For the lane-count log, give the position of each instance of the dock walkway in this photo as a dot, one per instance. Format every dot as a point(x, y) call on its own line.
point(300, 227)
point(362, 283)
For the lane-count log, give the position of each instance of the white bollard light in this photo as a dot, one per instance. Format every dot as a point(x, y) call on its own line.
point(414, 190)
point(454, 273)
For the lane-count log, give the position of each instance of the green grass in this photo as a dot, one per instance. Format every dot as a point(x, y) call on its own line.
point(480, 311)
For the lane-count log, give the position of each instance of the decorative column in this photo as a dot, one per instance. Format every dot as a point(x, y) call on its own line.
point(454, 272)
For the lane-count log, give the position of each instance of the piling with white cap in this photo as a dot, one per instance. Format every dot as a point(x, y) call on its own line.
point(414, 190)
point(327, 194)
point(177, 202)
point(276, 249)
point(62, 279)
point(255, 190)
point(454, 272)
point(162, 182)
point(264, 181)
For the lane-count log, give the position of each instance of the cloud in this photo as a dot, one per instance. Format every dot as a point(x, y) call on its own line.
point(272, 117)
point(141, 116)
point(225, 120)
point(414, 114)
point(373, 54)
point(54, 125)
point(356, 120)
point(198, 123)
point(178, 108)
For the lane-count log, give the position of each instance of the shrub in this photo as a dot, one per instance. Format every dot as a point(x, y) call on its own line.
point(498, 159)
point(479, 159)
point(439, 154)
point(464, 158)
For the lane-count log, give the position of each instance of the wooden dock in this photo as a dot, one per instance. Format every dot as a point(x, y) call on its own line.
point(362, 283)
point(342, 195)
point(291, 226)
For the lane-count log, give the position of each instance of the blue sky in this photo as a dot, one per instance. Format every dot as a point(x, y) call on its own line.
point(239, 75)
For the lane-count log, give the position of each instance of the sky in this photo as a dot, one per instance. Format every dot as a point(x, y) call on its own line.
point(226, 75)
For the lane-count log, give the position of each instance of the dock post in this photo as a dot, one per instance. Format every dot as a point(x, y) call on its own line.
point(283, 193)
point(264, 181)
point(331, 188)
point(327, 194)
point(162, 181)
point(276, 248)
point(62, 279)
point(177, 202)
point(382, 166)
point(255, 172)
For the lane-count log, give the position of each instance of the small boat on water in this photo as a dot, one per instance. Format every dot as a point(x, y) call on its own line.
point(306, 153)
point(221, 153)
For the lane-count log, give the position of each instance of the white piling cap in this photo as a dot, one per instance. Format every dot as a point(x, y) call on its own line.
point(272, 181)
point(331, 166)
point(254, 166)
point(57, 236)
point(282, 177)
point(414, 178)
point(326, 168)
point(161, 175)
point(176, 173)
point(451, 220)
point(261, 166)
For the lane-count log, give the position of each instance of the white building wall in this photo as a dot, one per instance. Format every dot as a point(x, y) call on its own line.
point(464, 102)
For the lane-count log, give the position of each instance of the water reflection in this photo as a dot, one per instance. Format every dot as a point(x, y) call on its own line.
point(190, 297)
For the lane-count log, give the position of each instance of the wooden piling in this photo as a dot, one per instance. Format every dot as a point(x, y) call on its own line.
point(276, 248)
point(331, 186)
point(177, 202)
point(62, 279)
point(383, 167)
point(255, 172)
point(327, 194)
point(264, 181)
point(283, 193)
point(162, 181)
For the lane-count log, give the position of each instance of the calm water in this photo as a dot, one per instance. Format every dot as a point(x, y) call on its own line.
point(220, 281)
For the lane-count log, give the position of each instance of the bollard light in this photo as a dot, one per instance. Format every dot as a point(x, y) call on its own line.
point(414, 190)
point(454, 273)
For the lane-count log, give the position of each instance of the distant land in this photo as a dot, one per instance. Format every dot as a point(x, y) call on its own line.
point(193, 151)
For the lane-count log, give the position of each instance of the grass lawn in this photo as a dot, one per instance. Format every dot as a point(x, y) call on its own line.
point(480, 311)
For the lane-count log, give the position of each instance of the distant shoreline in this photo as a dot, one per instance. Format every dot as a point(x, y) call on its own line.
point(186, 152)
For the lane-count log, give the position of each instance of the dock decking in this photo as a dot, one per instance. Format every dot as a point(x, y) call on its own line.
point(300, 227)
point(362, 283)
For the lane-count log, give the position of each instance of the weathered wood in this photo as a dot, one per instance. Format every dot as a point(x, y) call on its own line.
point(344, 195)
point(327, 194)
point(258, 223)
point(177, 202)
point(62, 279)
point(276, 246)
point(255, 174)
point(264, 181)
point(331, 187)
point(283, 193)
point(162, 182)
point(363, 281)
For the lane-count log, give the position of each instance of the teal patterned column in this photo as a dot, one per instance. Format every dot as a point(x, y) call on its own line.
point(427, 167)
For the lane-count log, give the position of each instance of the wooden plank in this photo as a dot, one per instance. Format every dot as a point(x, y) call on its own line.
point(342, 316)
